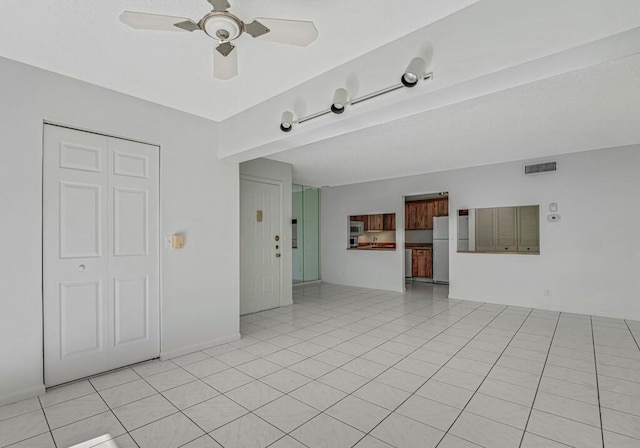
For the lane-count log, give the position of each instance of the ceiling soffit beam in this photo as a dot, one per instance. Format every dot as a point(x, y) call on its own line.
point(597, 52)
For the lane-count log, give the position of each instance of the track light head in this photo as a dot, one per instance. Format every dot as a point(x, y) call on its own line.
point(340, 99)
point(286, 123)
point(414, 72)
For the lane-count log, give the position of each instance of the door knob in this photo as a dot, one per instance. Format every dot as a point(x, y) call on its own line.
point(81, 267)
point(278, 255)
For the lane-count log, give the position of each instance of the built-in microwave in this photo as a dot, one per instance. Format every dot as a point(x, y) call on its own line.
point(356, 228)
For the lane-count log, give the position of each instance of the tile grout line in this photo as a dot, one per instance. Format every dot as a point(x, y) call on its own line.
point(207, 433)
point(392, 319)
point(440, 368)
point(111, 411)
point(485, 377)
point(371, 349)
point(369, 380)
point(391, 366)
point(179, 411)
point(632, 335)
point(540, 380)
point(55, 444)
point(595, 362)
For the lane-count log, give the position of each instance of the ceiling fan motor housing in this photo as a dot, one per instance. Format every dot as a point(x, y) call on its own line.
point(222, 25)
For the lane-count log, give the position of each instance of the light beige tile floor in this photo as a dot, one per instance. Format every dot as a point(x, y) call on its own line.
point(347, 367)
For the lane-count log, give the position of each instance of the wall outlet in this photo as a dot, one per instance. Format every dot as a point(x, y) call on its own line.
point(547, 293)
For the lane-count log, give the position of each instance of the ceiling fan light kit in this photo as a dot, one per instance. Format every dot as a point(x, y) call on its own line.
point(221, 25)
point(415, 72)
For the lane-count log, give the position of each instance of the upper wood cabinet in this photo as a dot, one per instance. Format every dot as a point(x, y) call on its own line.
point(389, 221)
point(418, 215)
point(373, 222)
point(379, 222)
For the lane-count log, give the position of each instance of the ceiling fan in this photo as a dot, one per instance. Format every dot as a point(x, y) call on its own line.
point(225, 27)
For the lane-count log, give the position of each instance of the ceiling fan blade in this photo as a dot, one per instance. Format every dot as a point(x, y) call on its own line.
point(291, 32)
point(220, 5)
point(225, 61)
point(156, 22)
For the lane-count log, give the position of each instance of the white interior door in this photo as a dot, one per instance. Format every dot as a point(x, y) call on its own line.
point(134, 252)
point(260, 245)
point(100, 253)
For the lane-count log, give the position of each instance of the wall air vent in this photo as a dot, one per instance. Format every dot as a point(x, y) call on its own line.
point(537, 168)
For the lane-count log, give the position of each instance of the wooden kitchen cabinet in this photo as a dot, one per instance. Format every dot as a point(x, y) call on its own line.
point(389, 221)
point(422, 210)
point(373, 222)
point(422, 263)
point(443, 207)
point(418, 215)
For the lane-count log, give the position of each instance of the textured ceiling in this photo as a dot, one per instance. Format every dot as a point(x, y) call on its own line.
point(512, 79)
point(588, 109)
point(85, 40)
point(490, 46)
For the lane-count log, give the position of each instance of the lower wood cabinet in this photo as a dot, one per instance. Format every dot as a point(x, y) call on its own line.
point(422, 263)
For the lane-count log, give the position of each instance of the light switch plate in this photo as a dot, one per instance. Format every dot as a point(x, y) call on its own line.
point(553, 207)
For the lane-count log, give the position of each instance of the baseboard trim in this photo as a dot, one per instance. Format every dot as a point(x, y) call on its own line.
point(196, 347)
point(22, 395)
point(307, 283)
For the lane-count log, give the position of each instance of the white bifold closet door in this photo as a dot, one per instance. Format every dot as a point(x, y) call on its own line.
point(100, 253)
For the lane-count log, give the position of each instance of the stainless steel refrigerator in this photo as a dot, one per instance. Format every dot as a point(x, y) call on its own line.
point(441, 249)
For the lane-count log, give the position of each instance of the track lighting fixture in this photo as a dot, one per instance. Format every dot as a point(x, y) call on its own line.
point(339, 103)
point(414, 72)
point(286, 123)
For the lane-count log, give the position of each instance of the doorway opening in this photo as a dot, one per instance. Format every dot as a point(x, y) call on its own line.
point(305, 233)
point(426, 236)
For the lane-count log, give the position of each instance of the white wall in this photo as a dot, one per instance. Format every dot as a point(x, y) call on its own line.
point(280, 172)
point(590, 260)
point(199, 196)
point(418, 236)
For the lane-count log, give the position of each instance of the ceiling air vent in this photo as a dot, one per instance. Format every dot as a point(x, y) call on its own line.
point(538, 168)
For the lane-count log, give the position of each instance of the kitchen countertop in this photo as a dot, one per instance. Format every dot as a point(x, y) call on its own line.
point(418, 246)
point(383, 249)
